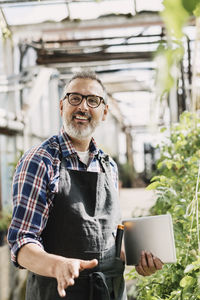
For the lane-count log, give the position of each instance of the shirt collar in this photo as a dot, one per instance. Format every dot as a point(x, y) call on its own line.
point(67, 147)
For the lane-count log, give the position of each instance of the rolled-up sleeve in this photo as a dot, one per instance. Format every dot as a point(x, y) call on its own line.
point(30, 203)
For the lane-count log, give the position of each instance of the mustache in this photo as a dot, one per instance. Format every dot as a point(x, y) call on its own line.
point(81, 113)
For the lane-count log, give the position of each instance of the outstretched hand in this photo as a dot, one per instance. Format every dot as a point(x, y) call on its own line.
point(67, 269)
point(148, 264)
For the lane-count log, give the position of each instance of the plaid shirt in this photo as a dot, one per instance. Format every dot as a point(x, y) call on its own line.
point(36, 182)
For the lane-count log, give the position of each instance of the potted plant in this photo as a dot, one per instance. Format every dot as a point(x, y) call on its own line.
point(5, 219)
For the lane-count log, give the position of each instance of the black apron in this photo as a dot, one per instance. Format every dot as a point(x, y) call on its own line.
point(81, 225)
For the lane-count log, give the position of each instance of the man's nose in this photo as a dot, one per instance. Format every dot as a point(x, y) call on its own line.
point(83, 105)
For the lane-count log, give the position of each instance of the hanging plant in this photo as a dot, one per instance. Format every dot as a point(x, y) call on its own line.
point(5, 31)
point(175, 16)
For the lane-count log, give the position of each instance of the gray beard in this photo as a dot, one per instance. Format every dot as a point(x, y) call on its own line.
point(81, 133)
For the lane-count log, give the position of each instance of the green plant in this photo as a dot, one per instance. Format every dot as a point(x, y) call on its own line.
point(175, 15)
point(126, 173)
point(177, 188)
point(5, 219)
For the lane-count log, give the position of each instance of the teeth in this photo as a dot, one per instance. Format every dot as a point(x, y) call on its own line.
point(81, 117)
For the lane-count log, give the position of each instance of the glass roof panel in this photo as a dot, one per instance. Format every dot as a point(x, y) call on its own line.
point(95, 9)
point(35, 14)
point(153, 5)
point(22, 12)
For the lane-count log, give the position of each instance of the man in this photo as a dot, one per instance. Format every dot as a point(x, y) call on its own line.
point(66, 207)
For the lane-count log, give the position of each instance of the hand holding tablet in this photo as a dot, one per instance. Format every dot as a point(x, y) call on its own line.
point(148, 264)
point(148, 238)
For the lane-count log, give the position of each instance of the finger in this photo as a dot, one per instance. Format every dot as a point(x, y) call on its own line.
point(150, 263)
point(64, 280)
point(68, 279)
point(143, 261)
point(158, 263)
point(88, 264)
point(144, 264)
point(122, 255)
point(61, 290)
point(140, 270)
point(139, 267)
point(71, 281)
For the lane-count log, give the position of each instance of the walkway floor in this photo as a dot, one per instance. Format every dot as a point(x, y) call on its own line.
point(136, 202)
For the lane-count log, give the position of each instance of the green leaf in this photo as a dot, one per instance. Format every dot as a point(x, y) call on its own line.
point(154, 178)
point(153, 186)
point(190, 5)
point(197, 10)
point(163, 129)
point(168, 164)
point(187, 281)
point(175, 16)
point(189, 268)
point(160, 165)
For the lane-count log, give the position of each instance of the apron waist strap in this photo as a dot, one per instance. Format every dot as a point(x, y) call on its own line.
point(98, 287)
point(102, 282)
point(106, 280)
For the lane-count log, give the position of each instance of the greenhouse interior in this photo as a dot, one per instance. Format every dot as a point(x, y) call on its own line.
point(147, 55)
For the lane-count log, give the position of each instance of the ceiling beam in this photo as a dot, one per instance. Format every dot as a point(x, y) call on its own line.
point(47, 58)
point(40, 2)
point(75, 40)
point(69, 27)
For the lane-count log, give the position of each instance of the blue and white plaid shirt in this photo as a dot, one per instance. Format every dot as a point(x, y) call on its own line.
point(36, 182)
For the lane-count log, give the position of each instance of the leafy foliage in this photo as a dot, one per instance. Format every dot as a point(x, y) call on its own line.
point(175, 15)
point(191, 5)
point(197, 9)
point(126, 173)
point(167, 57)
point(5, 219)
point(176, 189)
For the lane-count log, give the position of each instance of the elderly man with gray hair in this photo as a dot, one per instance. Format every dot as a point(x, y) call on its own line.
point(66, 207)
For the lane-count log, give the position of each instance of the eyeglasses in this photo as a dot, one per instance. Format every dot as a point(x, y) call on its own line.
point(92, 101)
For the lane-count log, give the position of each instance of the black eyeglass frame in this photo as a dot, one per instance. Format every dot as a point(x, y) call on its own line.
point(84, 96)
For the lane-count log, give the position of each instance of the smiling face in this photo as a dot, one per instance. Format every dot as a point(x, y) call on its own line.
point(80, 121)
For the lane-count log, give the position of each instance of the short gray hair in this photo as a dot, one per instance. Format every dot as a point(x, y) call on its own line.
point(87, 74)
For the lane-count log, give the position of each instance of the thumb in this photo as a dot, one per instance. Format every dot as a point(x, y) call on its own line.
point(88, 264)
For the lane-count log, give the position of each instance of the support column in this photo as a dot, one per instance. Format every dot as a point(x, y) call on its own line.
point(196, 70)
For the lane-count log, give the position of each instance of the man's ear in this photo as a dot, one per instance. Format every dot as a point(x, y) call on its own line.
point(105, 112)
point(61, 107)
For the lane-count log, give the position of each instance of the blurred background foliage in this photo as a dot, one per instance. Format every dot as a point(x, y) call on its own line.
point(177, 181)
point(175, 15)
point(175, 188)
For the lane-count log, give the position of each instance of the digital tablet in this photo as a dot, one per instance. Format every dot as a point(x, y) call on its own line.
point(151, 233)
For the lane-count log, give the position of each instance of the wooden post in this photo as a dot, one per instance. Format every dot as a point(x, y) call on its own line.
point(129, 147)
